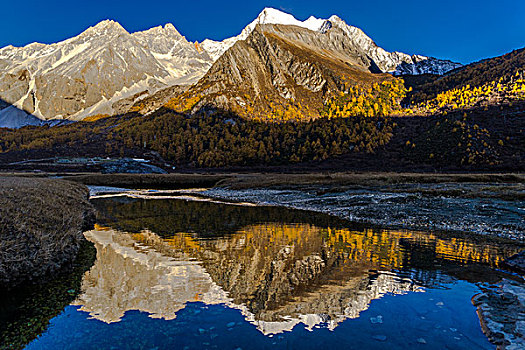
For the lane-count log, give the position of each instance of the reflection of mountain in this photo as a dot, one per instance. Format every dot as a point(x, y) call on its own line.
point(165, 217)
point(144, 272)
point(381, 248)
point(127, 276)
point(277, 274)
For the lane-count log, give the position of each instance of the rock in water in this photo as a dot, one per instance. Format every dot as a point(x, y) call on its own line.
point(517, 262)
point(501, 312)
point(379, 337)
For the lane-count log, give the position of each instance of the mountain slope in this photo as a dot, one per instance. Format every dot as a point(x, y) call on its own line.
point(392, 62)
point(87, 74)
point(475, 74)
point(106, 70)
point(279, 71)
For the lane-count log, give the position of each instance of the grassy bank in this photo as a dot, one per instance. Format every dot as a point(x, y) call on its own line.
point(363, 179)
point(261, 179)
point(504, 186)
point(41, 225)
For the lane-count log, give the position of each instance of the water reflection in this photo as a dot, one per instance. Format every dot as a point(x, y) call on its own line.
point(275, 290)
point(296, 268)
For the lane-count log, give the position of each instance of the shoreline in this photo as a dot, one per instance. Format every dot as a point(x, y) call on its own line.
point(260, 179)
point(466, 194)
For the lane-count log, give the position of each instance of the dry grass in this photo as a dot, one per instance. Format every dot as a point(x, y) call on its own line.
point(262, 180)
point(362, 179)
point(41, 225)
point(509, 186)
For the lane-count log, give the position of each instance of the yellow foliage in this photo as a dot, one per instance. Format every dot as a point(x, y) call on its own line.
point(94, 118)
point(376, 100)
point(467, 96)
point(183, 103)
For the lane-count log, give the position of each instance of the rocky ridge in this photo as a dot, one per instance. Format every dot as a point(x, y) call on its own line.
point(280, 69)
point(106, 69)
point(90, 73)
point(391, 62)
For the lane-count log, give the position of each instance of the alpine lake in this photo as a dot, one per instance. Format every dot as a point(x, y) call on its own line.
point(182, 272)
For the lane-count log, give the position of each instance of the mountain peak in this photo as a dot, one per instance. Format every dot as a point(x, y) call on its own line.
point(107, 26)
point(273, 16)
point(272, 13)
point(168, 29)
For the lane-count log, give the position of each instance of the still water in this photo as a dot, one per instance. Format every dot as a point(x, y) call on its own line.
point(182, 274)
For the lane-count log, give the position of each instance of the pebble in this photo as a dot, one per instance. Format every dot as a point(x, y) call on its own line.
point(421, 341)
point(378, 319)
point(379, 337)
point(230, 325)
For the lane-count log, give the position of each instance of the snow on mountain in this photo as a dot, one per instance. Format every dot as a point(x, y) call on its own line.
point(174, 52)
point(12, 117)
point(267, 16)
point(89, 73)
point(391, 62)
point(105, 68)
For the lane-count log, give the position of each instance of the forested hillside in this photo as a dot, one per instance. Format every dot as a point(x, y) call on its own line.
point(504, 68)
point(361, 124)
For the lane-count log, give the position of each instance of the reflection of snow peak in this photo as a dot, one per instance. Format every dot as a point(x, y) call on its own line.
point(128, 275)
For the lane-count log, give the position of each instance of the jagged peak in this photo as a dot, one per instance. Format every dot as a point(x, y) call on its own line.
point(108, 23)
point(335, 18)
point(270, 15)
point(167, 29)
point(106, 26)
point(270, 12)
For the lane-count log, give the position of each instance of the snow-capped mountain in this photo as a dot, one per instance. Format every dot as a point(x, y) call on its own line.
point(106, 69)
point(391, 62)
point(267, 16)
point(89, 73)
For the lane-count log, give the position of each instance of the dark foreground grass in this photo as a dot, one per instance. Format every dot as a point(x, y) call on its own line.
point(502, 186)
point(41, 225)
point(507, 186)
point(260, 179)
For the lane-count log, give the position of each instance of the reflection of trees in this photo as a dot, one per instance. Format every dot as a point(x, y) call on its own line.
point(166, 217)
point(279, 267)
point(283, 286)
point(266, 265)
point(202, 219)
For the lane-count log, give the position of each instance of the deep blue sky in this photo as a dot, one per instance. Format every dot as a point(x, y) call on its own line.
point(461, 30)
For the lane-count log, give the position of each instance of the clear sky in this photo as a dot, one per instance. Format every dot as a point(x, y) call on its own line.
point(461, 30)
